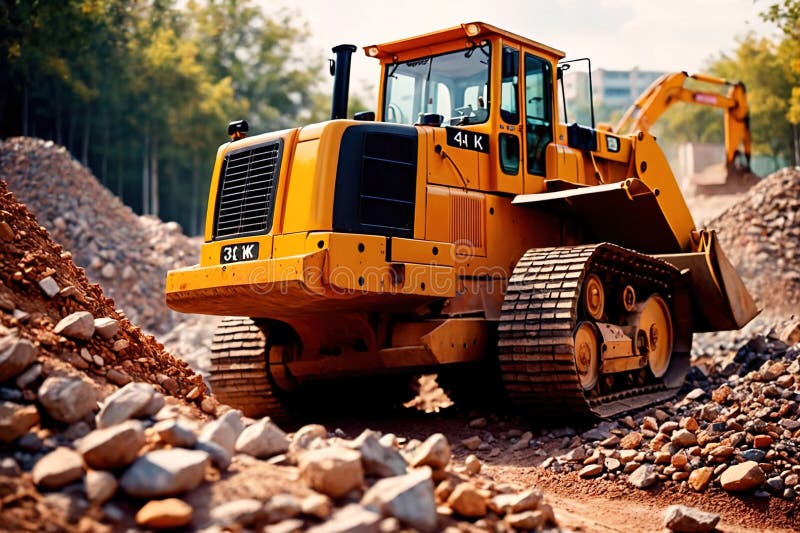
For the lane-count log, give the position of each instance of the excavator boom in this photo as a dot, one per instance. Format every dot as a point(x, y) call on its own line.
point(671, 88)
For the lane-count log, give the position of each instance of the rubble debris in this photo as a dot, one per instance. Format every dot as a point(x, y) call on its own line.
point(761, 237)
point(104, 235)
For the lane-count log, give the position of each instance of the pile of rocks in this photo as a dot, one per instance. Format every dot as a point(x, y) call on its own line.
point(98, 431)
point(149, 459)
point(736, 428)
point(54, 322)
point(127, 254)
point(761, 237)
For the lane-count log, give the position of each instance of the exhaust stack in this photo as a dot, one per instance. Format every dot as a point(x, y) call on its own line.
point(340, 69)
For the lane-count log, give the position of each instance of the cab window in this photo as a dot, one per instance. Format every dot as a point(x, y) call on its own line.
point(538, 112)
point(454, 85)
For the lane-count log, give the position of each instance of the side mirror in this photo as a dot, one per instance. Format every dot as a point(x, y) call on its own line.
point(368, 116)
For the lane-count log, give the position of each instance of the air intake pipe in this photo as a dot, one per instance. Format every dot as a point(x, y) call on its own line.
point(340, 70)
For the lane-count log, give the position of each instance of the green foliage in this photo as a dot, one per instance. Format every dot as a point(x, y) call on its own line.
point(786, 15)
point(142, 91)
point(765, 67)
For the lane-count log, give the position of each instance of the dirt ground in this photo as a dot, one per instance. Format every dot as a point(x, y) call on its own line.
point(580, 504)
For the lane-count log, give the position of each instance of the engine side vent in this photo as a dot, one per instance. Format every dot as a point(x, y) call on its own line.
point(376, 181)
point(246, 197)
point(467, 223)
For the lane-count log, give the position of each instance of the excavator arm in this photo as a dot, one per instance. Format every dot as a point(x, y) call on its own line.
point(670, 89)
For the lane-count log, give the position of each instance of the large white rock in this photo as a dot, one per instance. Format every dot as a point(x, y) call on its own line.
point(408, 497)
point(100, 486)
point(15, 356)
point(334, 471)
point(176, 432)
point(434, 452)
point(689, 519)
point(242, 513)
point(224, 430)
point(377, 459)
point(60, 467)
point(79, 325)
point(113, 447)
point(125, 403)
point(350, 519)
point(105, 327)
point(49, 286)
point(643, 477)
point(67, 399)
point(262, 439)
point(304, 436)
point(165, 473)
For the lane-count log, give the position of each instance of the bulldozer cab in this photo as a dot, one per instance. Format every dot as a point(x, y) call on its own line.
point(497, 96)
point(493, 91)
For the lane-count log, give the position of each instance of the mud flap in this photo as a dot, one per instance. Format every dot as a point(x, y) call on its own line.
point(720, 301)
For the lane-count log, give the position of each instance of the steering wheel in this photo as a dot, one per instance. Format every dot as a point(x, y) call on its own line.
point(395, 114)
point(465, 111)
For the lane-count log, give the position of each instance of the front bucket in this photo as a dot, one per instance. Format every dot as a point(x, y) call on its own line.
point(720, 301)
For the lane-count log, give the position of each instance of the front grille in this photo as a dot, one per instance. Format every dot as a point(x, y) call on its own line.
point(246, 197)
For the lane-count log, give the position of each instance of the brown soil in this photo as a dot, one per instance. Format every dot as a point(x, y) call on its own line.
point(27, 255)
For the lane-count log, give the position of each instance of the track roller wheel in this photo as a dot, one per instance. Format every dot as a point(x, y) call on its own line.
point(628, 298)
point(654, 334)
point(586, 355)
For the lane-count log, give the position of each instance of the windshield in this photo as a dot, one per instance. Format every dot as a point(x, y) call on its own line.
point(454, 85)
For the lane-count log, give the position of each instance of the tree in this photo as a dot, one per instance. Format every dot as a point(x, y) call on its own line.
point(142, 91)
point(786, 15)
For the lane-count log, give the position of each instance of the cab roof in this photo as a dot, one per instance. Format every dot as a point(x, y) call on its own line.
point(387, 51)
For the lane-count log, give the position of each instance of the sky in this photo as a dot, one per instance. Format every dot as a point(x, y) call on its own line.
point(664, 35)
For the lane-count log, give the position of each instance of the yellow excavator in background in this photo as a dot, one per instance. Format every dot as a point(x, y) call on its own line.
point(461, 227)
point(671, 89)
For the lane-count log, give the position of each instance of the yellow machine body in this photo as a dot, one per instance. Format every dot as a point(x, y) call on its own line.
point(476, 198)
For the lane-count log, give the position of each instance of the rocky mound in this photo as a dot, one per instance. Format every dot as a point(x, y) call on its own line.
point(736, 429)
point(47, 302)
point(63, 346)
point(761, 237)
point(127, 254)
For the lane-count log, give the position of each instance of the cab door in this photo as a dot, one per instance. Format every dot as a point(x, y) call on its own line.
point(509, 143)
point(538, 106)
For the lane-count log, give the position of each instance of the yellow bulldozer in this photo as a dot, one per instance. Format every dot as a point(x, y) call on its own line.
point(459, 228)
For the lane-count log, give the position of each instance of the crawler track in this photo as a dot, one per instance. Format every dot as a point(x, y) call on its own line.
point(540, 313)
point(239, 375)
